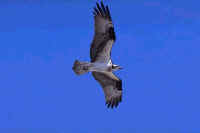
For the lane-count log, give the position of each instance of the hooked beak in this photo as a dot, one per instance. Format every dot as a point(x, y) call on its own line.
point(120, 68)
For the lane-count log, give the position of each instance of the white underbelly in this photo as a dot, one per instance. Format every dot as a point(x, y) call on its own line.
point(99, 67)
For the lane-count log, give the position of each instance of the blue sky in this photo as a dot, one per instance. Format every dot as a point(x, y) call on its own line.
point(157, 45)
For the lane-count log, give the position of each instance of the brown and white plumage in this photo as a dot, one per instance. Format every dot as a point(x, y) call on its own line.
point(101, 65)
point(104, 36)
point(112, 87)
point(100, 51)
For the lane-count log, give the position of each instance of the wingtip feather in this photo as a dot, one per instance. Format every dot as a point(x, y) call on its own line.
point(102, 10)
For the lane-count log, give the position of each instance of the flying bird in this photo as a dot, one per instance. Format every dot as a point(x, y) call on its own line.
point(101, 65)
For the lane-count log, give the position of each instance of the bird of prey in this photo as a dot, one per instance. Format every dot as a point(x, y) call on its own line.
point(101, 64)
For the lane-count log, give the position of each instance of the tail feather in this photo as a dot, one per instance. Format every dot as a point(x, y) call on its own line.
point(80, 67)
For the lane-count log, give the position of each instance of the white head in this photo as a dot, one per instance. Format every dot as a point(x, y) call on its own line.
point(116, 67)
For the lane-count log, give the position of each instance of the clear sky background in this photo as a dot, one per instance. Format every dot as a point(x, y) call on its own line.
point(158, 44)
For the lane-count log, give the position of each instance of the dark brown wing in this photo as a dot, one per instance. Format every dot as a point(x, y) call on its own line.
point(112, 87)
point(104, 34)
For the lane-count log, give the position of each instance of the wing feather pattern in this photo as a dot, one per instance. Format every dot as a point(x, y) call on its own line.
point(112, 87)
point(104, 37)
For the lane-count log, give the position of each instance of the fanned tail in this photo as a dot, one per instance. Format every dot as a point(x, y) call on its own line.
point(80, 67)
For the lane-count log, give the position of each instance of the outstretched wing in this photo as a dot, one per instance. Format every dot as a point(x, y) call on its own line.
point(104, 35)
point(112, 87)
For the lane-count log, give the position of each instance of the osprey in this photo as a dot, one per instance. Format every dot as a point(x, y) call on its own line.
point(101, 65)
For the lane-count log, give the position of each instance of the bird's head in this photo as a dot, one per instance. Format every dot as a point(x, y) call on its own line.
point(116, 67)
